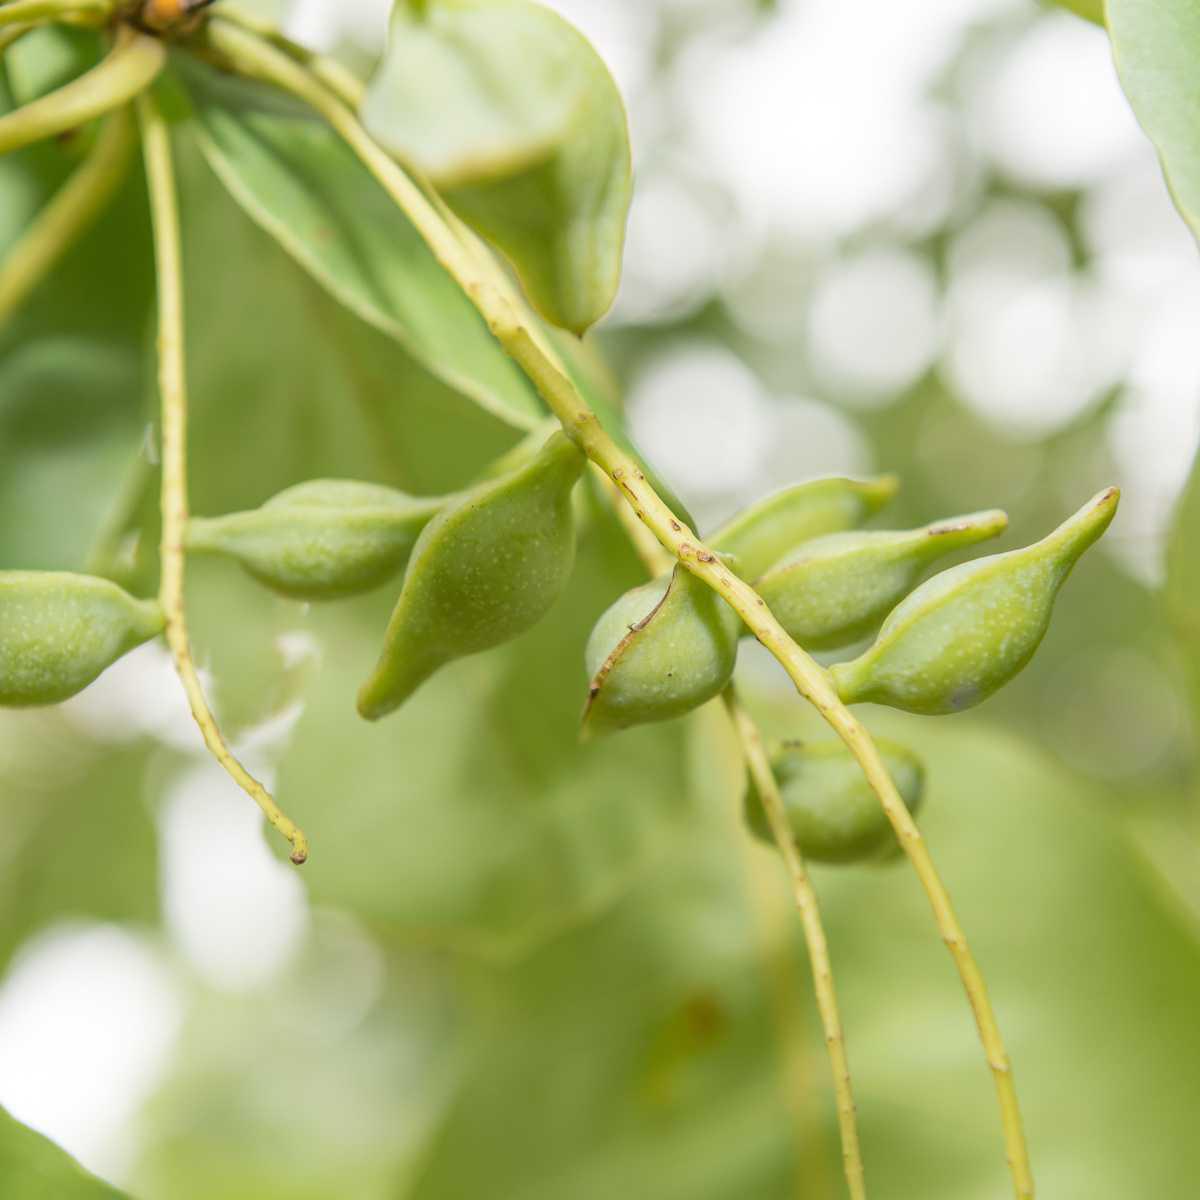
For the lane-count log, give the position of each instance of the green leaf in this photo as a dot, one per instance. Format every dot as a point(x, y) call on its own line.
point(78, 838)
point(1155, 45)
point(296, 179)
point(34, 1168)
point(517, 121)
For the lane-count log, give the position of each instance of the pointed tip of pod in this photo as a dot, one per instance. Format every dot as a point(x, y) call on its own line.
point(1084, 527)
point(879, 490)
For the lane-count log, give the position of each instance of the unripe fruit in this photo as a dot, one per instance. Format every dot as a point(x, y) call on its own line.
point(320, 540)
point(835, 590)
point(966, 632)
point(660, 651)
point(59, 631)
point(762, 534)
point(485, 569)
point(833, 814)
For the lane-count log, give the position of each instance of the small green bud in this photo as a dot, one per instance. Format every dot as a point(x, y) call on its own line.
point(966, 632)
point(484, 570)
point(660, 651)
point(320, 540)
point(762, 534)
point(836, 589)
point(833, 814)
point(59, 631)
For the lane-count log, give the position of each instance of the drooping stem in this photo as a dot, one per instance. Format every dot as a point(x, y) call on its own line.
point(76, 204)
point(126, 70)
point(754, 755)
point(54, 10)
point(160, 174)
point(529, 349)
point(759, 766)
point(10, 35)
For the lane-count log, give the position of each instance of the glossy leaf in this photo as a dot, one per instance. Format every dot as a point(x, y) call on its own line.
point(1155, 44)
point(517, 121)
point(296, 179)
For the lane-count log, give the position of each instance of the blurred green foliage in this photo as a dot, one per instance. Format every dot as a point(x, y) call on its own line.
point(537, 970)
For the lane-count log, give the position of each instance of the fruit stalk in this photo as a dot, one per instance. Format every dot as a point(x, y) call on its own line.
point(527, 346)
point(164, 210)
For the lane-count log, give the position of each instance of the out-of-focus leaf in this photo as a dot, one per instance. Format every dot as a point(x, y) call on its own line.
point(1183, 579)
point(641, 1047)
point(77, 836)
point(299, 182)
point(517, 121)
point(333, 1097)
point(1155, 45)
point(69, 426)
point(1080, 951)
point(473, 817)
point(34, 1168)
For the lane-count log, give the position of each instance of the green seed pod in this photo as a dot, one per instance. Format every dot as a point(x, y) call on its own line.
point(320, 540)
point(966, 632)
point(762, 534)
point(836, 589)
point(660, 651)
point(485, 569)
point(59, 631)
point(833, 814)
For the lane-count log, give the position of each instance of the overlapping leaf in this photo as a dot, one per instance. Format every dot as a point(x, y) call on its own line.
point(517, 121)
point(1155, 45)
point(296, 179)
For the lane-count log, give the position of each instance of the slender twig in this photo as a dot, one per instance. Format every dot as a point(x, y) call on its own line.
point(529, 349)
point(74, 207)
point(759, 766)
point(94, 11)
point(160, 174)
point(337, 77)
point(10, 35)
point(128, 68)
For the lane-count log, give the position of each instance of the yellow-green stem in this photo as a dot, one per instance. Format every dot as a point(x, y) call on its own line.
point(76, 204)
point(10, 35)
point(54, 10)
point(759, 766)
point(164, 210)
point(129, 67)
point(527, 346)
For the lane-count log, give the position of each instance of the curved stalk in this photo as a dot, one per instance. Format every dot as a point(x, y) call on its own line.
point(525, 344)
point(128, 69)
point(759, 766)
point(73, 208)
point(55, 10)
point(164, 211)
point(754, 755)
point(10, 35)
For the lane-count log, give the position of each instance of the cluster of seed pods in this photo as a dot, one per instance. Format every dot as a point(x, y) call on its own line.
point(482, 566)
